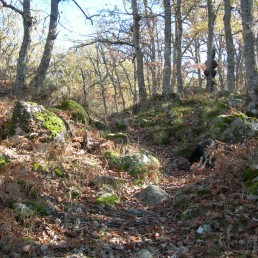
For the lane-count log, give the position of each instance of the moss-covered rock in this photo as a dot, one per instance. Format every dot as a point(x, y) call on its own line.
point(234, 128)
point(31, 118)
point(78, 112)
point(118, 138)
point(137, 164)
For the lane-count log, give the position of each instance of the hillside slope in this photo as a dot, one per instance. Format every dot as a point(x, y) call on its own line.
point(49, 205)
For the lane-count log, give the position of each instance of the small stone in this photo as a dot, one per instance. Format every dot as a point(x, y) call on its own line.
point(44, 248)
point(134, 212)
point(144, 253)
point(26, 248)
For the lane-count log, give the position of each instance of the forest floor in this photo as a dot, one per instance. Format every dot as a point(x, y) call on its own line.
point(207, 214)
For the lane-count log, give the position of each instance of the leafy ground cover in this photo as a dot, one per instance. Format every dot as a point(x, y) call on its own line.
point(49, 208)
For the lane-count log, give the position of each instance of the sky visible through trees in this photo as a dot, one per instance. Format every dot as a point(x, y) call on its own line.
point(75, 26)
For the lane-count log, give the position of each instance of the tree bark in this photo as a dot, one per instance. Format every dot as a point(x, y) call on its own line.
point(198, 60)
point(248, 24)
point(178, 45)
point(52, 34)
point(19, 85)
point(210, 45)
point(231, 78)
point(152, 47)
point(167, 49)
point(138, 52)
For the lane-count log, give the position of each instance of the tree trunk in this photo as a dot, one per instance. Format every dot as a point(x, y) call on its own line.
point(52, 34)
point(151, 23)
point(173, 79)
point(210, 46)
point(251, 68)
point(138, 52)
point(132, 90)
point(167, 49)
point(119, 84)
point(198, 61)
point(219, 46)
point(85, 92)
point(178, 45)
point(23, 54)
point(231, 78)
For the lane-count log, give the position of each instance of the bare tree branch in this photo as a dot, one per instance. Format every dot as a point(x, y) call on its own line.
point(87, 17)
point(12, 7)
point(115, 42)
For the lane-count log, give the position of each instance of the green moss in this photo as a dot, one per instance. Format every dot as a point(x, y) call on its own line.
point(29, 209)
point(28, 240)
point(58, 172)
point(136, 163)
point(252, 188)
point(117, 137)
point(214, 112)
point(37, 167)
point(249, 174)
point(3, 160)
point(108, 200)
point(51, 122)
point(75, 194)
point(78, 112)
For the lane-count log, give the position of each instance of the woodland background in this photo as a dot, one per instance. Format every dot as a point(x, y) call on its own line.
point(136, 51)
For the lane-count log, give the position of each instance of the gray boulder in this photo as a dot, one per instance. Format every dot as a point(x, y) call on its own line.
point(104, 181)
point(152, 195)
